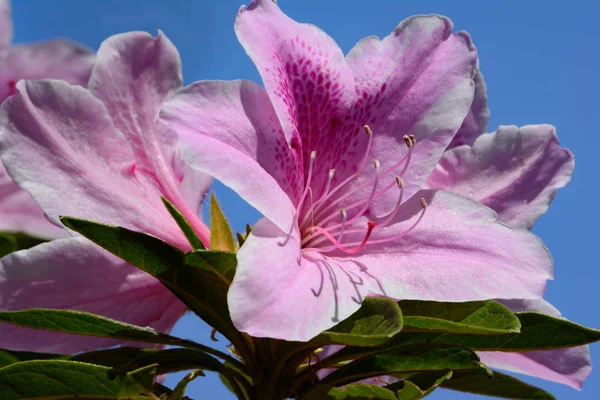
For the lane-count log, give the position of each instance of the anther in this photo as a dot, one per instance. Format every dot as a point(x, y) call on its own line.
point(407, 140)
point(413, 139)
point(368, 130)
point(423, 203)
point(400, 182)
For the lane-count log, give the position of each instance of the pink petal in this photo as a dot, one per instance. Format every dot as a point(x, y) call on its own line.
point(569, 366)
point(59, 144)
point(278, 292)
point(58, 59)
point(6, 31)
point(458, 252)
point(417, 80)
point(134, 74)
point(476, 121)
point(308, 81)
point(233, 134)
point(20, 213)
point(76, 274)
point(515, 171)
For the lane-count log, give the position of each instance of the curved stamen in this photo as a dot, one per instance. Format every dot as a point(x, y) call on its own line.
point(310, 211)
point(366, 202)
point(362, 165)
point(313, 155)
point(370, 226)
point(413, 226)
point(398, 204)
point(340, 235)
point(406, 160)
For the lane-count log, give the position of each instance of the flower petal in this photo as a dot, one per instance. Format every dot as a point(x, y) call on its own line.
point(476, 121)
point(569, 366)
point(6, 31)
point(458, 252)
point(278, 292)
point(417, 80)
point(58, 143)
point(76, 274)
point(233, 134)
point(134, 74)
point(58, 59)
point(308, 81)
point(515, 171)
point(20, 213)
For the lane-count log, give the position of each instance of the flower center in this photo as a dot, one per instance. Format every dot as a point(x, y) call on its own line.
point(317, 218)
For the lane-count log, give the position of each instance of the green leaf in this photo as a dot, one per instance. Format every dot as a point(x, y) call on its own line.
point(375, 322)
point(8, 357)
point(146, 252)
point(11, 242)
point(172, 360)
point(221, 263)
point(82, 323)
point(351, 392)
point(498, 385)
point(477, 317)
point(538, 332)
point(419, 358)
point(200, 289)
point(406, 390)
point(417, 386)
point(61, 379)
point(181, 387)
point(221, 237)
point(184, 225)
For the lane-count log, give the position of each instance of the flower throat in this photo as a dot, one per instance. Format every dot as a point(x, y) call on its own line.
point(315, 214)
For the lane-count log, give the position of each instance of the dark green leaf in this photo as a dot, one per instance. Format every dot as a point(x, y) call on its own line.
point(8, 357)
point(11, 242)
point(221, 237)
point(477, 317)
point(417, 386)
point(419, 358)
point(377, 320)
point(172, 360)
point(82, 323)
point(498, 385)
point(184, 225)
point(538, 332)
point(221, 263)
point(406, 390)
point(351, 392)
point(61, 379)
point(200, 289)
point(146, 252)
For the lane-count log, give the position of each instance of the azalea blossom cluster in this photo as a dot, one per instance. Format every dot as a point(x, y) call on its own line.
point(373, 171)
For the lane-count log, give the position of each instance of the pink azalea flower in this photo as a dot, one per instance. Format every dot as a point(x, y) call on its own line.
point(516, 172)
point(98, 154)
point(346, 214)
point(60, 59)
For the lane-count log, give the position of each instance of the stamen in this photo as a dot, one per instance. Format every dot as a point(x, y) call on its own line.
point(340, 233)
point(406, 160)
point(310, 211)
point(398, 236)
point(313, 155)
point(362, 164)
point(398, 204)
point(370, 227)
point(413, 139)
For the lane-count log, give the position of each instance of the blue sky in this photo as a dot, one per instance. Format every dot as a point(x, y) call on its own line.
point(540, 61)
